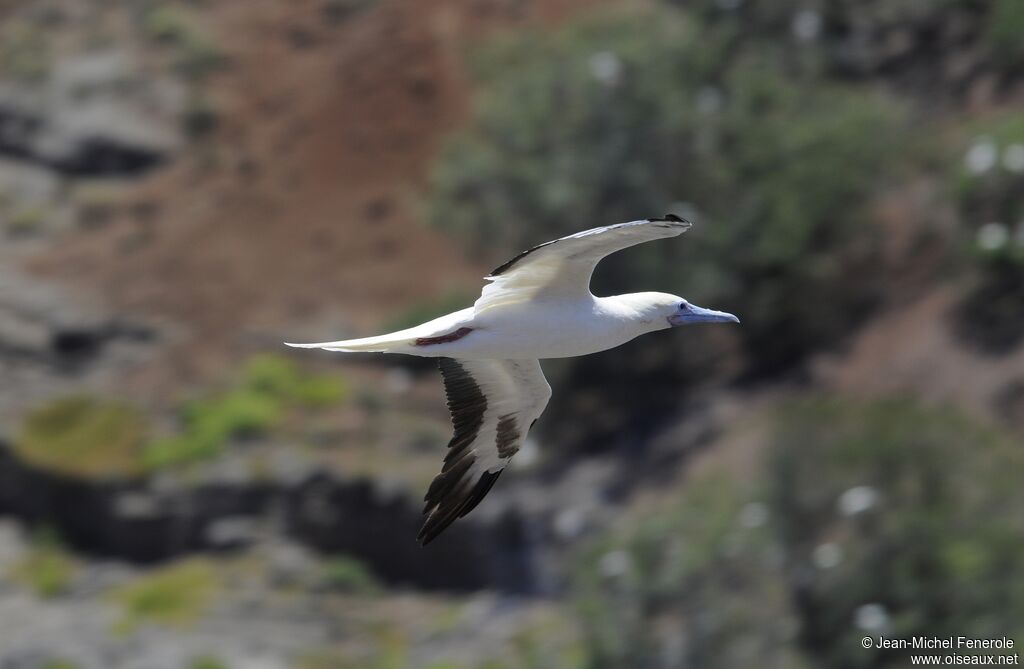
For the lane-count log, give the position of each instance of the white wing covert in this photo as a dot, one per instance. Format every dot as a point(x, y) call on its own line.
point(561, 269)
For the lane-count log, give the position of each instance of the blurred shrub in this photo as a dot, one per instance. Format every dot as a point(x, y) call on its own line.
point(92, 438)
point(48, 569)
point(270, 385)
point(882, 518)
point(176, 26)
point(168, 23)
point(988, 183)
point(1005, 31)
point(210, 423)
point(84, 436)
point(277, 377)
point(688, 586)
point(207, 662)
point(59, 664)
point(387, 656)
point(25, 52)
point(991, 313)
point(348, 574)
point(616, 119)
point(989, 179)
point(908, 41)
point(898, 520)
point(27, 221)
point(175, 595)
point(237, 413)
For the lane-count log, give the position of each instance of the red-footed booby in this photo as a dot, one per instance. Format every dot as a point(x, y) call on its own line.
point(537, 305)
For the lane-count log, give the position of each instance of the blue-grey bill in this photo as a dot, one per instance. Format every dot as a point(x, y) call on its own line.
point(695, 314)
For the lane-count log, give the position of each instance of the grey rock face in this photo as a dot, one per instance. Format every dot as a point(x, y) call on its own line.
point(49, 340)
point(134, 521)
point(93, 116)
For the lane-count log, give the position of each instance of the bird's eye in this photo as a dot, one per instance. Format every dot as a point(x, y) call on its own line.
point(684, 304)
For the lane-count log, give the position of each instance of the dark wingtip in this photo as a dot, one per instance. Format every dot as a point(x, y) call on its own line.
point(450, 508)
point(670, 217)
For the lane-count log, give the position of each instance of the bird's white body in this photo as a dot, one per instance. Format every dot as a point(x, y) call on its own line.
point(537, 306)
point(528, 330)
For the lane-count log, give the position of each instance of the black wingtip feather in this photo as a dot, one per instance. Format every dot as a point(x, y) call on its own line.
point(480, 490)
point(455, 506)
point(671, 218)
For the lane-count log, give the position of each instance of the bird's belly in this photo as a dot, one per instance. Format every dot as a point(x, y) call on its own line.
point(553, 338)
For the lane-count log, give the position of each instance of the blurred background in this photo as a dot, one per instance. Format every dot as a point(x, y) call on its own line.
point(185, 185)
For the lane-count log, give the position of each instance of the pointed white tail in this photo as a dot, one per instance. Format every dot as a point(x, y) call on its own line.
point(380, 344)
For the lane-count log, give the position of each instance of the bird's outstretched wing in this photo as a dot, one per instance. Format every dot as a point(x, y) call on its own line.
point(562, 268)
point(493, 405)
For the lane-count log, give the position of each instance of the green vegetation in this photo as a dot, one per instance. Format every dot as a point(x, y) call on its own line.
point(169, 23)
point(539, 644)
point(833, 36)
point(175, 595)
point(84, 437)
point(48, 569)
point(92, 438)
point(989, 178)
point(326, 660)
point(207, 662)
point(27, 221)
point(195, 57)
point(924, 509)
point(626, 116)
point(277, 377)
point(868, 518)
point(270, 386)
point(347, 574)
point(209, 424)
point(58, 664)
point(175, 26)
point(987, 186)
point(390, 652)
point(688, 572)
point(24, 51)
point(1005, 28)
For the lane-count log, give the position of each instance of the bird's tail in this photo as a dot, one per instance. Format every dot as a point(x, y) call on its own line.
point(411, 340)
point(393, 342)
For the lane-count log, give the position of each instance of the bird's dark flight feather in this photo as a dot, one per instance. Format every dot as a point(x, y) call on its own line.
point(452, 493)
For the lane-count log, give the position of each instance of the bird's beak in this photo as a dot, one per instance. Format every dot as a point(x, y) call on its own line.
point(695, 314)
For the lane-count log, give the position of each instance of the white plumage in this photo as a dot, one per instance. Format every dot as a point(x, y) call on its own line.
point(537, 305)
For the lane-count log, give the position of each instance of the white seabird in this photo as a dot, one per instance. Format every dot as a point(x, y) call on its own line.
point(537, 305)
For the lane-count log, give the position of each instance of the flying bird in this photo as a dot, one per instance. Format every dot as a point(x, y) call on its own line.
point(537, 305)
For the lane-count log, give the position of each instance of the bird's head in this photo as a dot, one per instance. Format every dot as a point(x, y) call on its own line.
point(662, 310)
